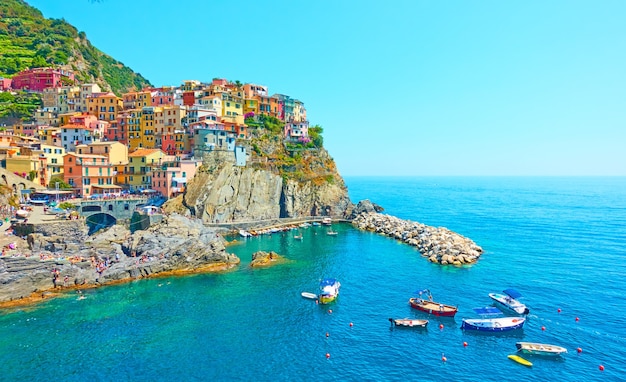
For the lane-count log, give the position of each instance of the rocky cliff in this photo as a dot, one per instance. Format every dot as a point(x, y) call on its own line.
point(226, 193)
point(62, 256)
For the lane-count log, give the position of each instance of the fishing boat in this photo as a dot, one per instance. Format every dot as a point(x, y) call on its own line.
point(540, 349)
point(507, 301)
point(409, 322)
point(327, 221)
point(244, 233)
point(498, 324)
point(431, 307)
point(520, 360)
point(329, 290)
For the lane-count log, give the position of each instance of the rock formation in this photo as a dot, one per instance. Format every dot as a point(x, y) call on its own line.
point(62, 256)
point(226, 193)
point(439, 244)
point(266, 259)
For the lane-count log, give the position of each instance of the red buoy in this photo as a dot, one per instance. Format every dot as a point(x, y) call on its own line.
point(601, 367)
point(330, 311)
point(559, 310)
point(465, 344)
point(577, 319)
point(440, 326)
point(443, 358)
point(543, 328)
point(327, 355)
point(351, 324)
point(580, 350)
point(326, 334)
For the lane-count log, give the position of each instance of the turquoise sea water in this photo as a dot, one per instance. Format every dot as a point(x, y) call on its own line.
point(560, 241)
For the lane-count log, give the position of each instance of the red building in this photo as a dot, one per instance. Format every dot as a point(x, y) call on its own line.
point(38, 79)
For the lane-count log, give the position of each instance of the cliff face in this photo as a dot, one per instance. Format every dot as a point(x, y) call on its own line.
point(231, 194)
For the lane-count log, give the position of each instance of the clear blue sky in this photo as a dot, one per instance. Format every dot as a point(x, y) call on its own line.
point(409, 87)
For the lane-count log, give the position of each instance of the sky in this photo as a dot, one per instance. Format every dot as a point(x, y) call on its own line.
point(401, 88)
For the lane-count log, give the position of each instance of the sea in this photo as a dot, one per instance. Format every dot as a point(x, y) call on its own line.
point(559, 241)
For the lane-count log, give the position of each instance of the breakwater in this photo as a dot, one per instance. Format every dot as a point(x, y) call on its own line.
point(438, 244)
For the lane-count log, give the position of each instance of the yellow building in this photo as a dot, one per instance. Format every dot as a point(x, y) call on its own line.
point(133, 126)
point(26, 164)
point(232, 105)
point(251, 105)
point(140, 163)
point(105, 106)
point(147, 126)
point(54, 161)
point(136, 100)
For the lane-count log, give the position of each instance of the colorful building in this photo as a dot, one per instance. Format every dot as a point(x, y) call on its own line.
point(89, 174)
point(38, 79)
point(171, 178)
point(141, 163)
point(105, 106)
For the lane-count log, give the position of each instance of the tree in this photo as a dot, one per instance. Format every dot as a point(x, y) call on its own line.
point(62, 184)
point(38, 62)
point(315, 133)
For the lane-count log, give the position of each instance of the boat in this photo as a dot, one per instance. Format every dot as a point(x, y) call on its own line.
point(327, 221)
point(244, 233)
point(309, 295)
point(329, 290)
point(431, 307)
point(520, 360)
point(409, 322)
point(298, 237)
point(507, 301)
point(330, 232)
point(539, 349)
point(498, 324)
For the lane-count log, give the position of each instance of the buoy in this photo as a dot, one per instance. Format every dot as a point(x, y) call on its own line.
point(601, 367)
point(326, 334)
point(330, 311)
point(577, 319)
point(351, 324)
point(465, 344)
point(559, 310)
point(443, 357)
point(580, 350)
point(440, 326)
point(543, 328)
point(316, 302)
point(327, 355)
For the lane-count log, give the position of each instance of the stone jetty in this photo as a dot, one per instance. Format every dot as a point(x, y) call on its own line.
point(438, 244)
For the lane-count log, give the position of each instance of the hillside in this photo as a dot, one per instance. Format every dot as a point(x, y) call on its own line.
point(27, 39)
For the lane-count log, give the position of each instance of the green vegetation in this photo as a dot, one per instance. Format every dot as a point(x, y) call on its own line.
point(19, 107)
point(62, 185)
point(28, 40)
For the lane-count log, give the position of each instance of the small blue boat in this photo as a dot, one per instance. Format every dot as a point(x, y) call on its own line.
point(498, 324)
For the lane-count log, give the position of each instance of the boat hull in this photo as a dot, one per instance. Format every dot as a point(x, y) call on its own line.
point(493, 324)
point(433, 308)
point(540, 349)
point(408, 323)
point(508, 304)
point(327, 299)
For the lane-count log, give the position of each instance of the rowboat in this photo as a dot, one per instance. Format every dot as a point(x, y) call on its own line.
point(329, 290)
point(309, 295)
point(431, 307)
point(498, 324)
point(507, 301)
point(520, 360)
point(540, 349)
point(408, 322)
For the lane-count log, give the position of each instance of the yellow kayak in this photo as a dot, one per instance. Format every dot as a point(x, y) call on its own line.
point(521, 360)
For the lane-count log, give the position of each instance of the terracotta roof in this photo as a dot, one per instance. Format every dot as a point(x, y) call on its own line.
point(143, 152)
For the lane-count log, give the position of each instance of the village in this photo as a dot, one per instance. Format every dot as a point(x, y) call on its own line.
point(96, 144)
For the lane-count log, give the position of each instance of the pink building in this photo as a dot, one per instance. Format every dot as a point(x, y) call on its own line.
point(172, 178)
point(5, 84)
point(38, 79)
